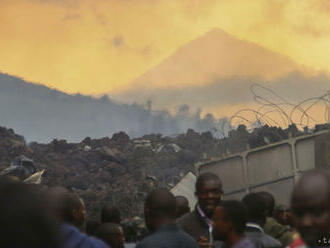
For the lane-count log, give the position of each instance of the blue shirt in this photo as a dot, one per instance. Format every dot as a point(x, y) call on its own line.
point(245, 243)
point(72, 238)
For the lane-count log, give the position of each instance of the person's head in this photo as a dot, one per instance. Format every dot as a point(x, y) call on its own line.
point(112, 234)
point(182, 206)
point(282, 214)
point(256, 208)
point(159, 208)
point(270, 202)
point(209, 192)
point(91, 227)
point(26, 217)
point(110, 214)
point(69, 207)
point(310, 204)
point(229, 220)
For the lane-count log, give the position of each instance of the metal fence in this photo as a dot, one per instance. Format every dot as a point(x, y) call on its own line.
point(273, 168)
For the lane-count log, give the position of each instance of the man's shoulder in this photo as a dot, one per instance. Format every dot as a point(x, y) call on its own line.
point(97, 243)
point(263, 238)
point(185, 236)
point(273, 226)
point(269, 241)
point(187, 218)
point(177, 238)
point(248, 243)
point(73, 238)
point(278, 231)
point(153, 239)
point(148, 241)
point(194, 225)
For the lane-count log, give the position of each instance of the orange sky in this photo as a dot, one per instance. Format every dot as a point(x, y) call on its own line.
point(98, 46)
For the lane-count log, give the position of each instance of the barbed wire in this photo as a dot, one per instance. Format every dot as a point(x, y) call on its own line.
point(275, 110)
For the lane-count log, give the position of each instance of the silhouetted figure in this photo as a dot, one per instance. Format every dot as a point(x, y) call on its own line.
point(256, 213)
point(110, 214)
point(269, 201)
point(182, 206)
point(272, 227)
point(26, 218)
point(198, 223)
point(229, 222)
point(70, 209)
point(310, 204)
point(159, 213)
point(91, 227)
point(112, 234)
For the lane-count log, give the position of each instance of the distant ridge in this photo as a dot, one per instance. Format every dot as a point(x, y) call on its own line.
point(42, 114)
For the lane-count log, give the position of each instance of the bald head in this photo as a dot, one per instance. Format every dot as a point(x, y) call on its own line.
point(205, 178)
point(314, 186)
point(161, 202)
point(310, 204)
point(209, 192)
point(159, 208)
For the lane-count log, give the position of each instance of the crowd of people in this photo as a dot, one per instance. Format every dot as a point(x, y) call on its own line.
point(33, 216)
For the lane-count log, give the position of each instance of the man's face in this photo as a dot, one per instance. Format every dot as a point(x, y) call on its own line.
point(221, 224)
point(311, 210)
point(209, 195)
point(282, 216)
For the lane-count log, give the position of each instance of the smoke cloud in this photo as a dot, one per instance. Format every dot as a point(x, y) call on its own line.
point(42, 114)
point(235, 91)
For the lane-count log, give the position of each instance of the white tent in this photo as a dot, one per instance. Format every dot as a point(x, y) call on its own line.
point(186, 187)
point(35, 178)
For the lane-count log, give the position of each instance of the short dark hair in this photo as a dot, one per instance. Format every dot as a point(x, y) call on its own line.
point(107, 232)
point(162, 203)
point(182, 198)
point(26, 217)
point(207, 176)
point(269, 200)
point(256, 207)
point(236, 212)
point(110, 214)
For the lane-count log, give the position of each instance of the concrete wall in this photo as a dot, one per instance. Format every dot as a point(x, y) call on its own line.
point(273, 168)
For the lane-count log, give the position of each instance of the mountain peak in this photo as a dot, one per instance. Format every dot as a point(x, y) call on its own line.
point(216, 55)
point(217, 32)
